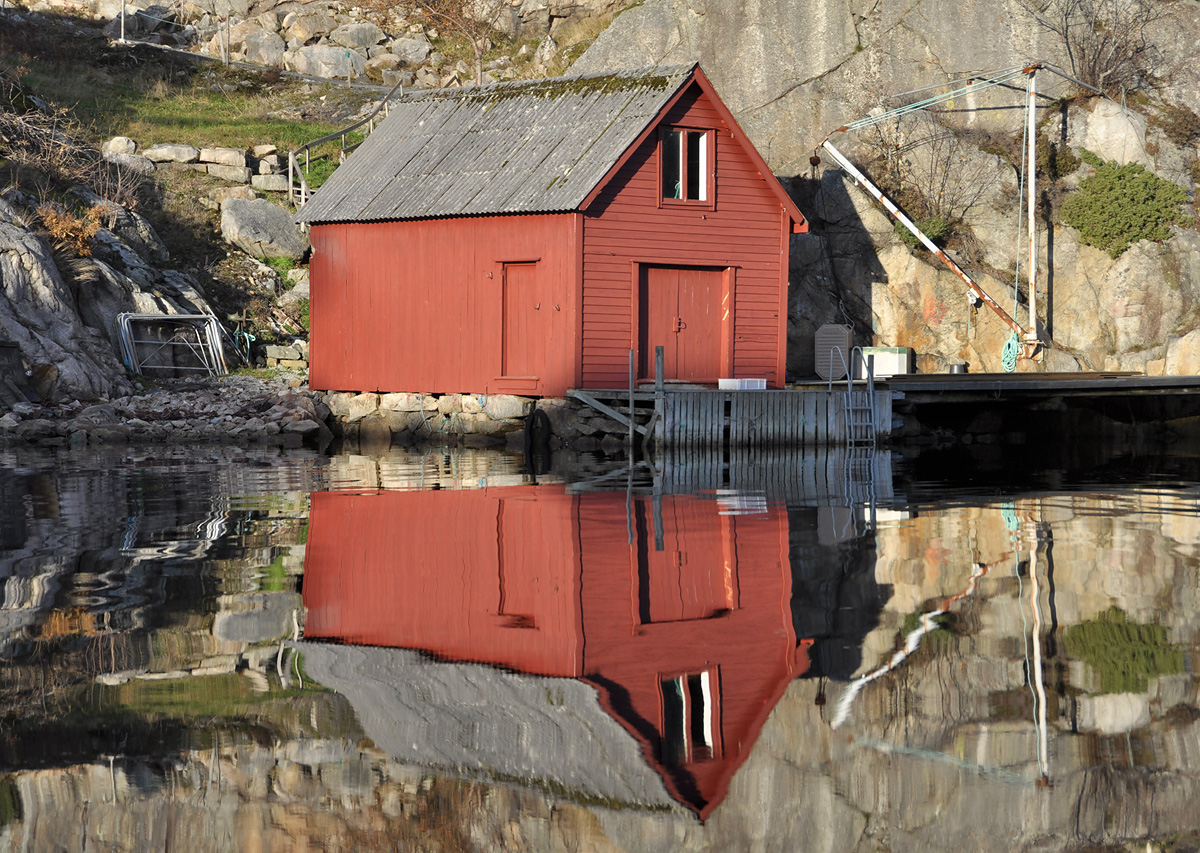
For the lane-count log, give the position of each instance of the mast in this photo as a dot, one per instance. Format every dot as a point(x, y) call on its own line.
point(1031, 336)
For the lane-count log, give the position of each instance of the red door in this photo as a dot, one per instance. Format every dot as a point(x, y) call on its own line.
point(680, 311)
point(527, 320)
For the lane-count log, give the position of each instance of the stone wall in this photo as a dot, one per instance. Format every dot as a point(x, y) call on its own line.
point(477, 419)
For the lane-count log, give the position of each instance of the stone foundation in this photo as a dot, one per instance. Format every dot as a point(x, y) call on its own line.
point(472, 419)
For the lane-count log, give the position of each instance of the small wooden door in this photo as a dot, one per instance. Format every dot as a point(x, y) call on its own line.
point(526, 318)
point(681, 311)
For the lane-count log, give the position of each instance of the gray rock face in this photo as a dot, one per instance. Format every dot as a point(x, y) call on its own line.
point(794, 70)
point(39, 312)
point(261, 229)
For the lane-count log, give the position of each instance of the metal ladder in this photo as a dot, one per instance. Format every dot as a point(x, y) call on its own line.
point(858, 406)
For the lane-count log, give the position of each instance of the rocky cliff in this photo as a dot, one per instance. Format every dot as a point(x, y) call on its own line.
point(794, 71)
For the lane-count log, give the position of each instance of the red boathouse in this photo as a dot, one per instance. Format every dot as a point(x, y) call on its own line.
point(521, 238)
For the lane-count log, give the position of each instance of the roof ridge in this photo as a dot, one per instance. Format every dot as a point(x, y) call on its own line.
point(666, 72)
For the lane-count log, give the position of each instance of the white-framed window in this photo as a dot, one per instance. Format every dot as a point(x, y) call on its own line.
point(686, 168)
point(691, 729)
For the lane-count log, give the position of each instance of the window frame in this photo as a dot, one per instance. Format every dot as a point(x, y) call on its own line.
point(708, 183)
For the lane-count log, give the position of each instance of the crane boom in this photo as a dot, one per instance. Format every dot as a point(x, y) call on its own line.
point(897, 214)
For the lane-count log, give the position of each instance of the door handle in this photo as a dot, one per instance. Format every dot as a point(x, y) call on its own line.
point(679, 324)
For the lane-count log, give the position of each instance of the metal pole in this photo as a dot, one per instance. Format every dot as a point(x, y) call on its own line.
point(122, 21)
point(1031, 156)
point(659, 393)
point(632, 379)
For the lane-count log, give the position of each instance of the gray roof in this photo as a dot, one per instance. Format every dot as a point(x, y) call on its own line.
point(520, 147)
point(470, 719)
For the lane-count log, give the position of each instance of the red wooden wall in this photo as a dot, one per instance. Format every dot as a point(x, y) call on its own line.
point(746, 233)
point(429, 305)
point(716, 598)
point(489, 575)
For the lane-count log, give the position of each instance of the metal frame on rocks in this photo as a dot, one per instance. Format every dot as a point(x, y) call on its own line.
point(205, 345)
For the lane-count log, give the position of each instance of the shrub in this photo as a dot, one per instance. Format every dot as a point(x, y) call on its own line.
point(936, 228)
point(1055, 161)
point(1119, 205)
point(68, 229)
point(1180, 124)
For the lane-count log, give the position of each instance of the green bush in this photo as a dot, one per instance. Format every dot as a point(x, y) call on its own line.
point(1120, 205)
point(1125, 654)
point(936, 228)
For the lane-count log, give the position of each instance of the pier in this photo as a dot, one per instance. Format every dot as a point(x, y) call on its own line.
point(863, 413)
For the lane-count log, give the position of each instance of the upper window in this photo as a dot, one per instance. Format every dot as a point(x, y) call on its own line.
point(685, 164)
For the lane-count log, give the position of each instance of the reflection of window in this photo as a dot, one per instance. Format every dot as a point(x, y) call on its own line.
point(691, 723)
point(685, 164)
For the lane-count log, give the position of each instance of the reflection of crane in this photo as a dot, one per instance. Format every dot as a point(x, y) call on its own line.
point(928, 622)
point(1028, 338)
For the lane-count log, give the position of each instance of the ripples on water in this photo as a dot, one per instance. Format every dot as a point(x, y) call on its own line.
point(438, 650)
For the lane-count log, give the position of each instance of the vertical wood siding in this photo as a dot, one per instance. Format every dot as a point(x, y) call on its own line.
point(420, 305)
point(731, 580)
point(489, 575)
point(626, 226)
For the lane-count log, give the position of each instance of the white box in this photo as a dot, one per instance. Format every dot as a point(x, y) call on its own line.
point(888, 362)
point(742, 384)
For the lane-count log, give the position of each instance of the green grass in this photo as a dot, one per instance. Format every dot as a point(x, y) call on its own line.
point(152, 97)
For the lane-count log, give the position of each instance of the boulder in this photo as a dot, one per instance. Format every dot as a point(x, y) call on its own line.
point(309, 25)
point(377, 65)
point(266, 150)
point(407, 402)
point(265, 48)
point(223, 156)
point(358, 36)
point(133, 162)
point(270, 183)
point(233, 174)
point(120, 145)
point(237, 34)
point(505, 406)
point(404, 78)
point(168, 153)
point(324, 60)
point(411, 51)
point(350, 408)
point(262, 229)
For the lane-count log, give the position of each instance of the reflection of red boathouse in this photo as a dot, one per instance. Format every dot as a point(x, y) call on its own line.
point(686, 633)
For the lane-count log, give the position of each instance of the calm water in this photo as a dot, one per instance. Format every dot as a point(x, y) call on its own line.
point(224, 650)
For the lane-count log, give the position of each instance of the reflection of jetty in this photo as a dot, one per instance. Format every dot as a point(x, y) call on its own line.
point(674, 608)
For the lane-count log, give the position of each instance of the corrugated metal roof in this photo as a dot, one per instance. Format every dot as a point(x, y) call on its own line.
point(521, 147)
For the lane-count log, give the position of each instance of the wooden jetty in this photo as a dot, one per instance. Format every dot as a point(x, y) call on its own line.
point(690, 417)
point(842, 413)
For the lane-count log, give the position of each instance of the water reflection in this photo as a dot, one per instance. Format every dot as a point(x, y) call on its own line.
point(590, 660)
point(676, 608)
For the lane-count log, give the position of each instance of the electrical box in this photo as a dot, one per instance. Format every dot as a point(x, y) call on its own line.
point(833, 346)
point(889, 361)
